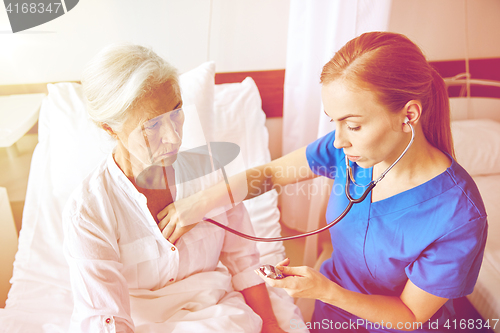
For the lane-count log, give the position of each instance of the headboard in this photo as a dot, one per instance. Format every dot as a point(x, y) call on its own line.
point(269, 82)
point(484, 82)
point(486, 70)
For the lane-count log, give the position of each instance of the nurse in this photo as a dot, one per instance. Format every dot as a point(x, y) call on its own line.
point(417, 242)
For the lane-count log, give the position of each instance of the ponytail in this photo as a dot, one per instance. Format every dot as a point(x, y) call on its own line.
point(436, 121)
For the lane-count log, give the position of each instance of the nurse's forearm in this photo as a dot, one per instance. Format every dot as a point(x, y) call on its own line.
point(245, 185)
point(373, 308)
point(259, 181)
point(289, 169)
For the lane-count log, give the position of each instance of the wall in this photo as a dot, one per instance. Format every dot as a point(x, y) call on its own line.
point(438, 26)
point(239, 35)
point(244, 35)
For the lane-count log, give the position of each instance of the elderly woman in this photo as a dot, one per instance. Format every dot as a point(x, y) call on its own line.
point(119, 259)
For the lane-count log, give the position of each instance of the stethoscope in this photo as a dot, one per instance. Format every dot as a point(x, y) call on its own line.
point(352, 201)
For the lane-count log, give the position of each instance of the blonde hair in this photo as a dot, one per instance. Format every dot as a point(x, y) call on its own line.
point(120, 75)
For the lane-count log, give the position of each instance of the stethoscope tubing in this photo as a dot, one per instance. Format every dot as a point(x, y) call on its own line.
point(352, 201)
point(310, 233)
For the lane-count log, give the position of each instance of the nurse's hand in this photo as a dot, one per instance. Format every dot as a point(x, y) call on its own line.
point(302, 281)
point(179, 217)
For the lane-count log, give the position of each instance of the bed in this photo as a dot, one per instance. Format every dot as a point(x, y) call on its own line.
point(476, 135)
point(40, 300)
point(70, 146)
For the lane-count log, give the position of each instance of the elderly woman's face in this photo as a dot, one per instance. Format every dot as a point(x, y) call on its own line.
point(153, 130)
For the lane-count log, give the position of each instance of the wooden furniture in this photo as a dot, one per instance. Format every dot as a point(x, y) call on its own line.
point(18, 113)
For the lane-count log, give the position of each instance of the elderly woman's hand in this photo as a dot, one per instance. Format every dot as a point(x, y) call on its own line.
point(179, 217)
point(271, 327)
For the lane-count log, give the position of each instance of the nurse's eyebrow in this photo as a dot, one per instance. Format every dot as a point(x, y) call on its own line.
point(344, 117)
point(348, 116)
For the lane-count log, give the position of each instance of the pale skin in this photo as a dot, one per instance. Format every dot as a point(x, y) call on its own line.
point(132, 156)
point(371, 136)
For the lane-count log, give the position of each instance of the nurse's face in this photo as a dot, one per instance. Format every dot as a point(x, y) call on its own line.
point(366, 131)
point(153, 131)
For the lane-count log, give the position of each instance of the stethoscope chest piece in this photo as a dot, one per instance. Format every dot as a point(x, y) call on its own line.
point(271, 272)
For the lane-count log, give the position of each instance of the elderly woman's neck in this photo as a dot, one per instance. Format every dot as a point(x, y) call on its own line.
point(122, 158)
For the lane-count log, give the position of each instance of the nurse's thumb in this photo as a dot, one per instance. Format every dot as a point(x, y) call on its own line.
point(287, 270)
point(284, 262)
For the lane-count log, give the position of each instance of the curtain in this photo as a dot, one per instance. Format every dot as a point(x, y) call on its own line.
point(317, 29)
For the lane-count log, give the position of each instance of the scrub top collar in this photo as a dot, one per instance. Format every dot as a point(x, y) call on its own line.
point(415, 196)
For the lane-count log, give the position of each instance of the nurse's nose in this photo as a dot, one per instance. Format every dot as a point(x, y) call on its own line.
point(168, 132)
point(340, 140)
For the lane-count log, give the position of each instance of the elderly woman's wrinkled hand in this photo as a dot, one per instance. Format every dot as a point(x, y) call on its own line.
point(271, 327)
point(179, 217)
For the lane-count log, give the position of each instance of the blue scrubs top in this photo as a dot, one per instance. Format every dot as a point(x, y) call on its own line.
point(433, 234)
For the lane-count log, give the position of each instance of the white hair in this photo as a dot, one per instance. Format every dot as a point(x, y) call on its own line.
point(120, 75)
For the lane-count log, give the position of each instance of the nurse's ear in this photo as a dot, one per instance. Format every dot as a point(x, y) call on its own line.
point(412, 112)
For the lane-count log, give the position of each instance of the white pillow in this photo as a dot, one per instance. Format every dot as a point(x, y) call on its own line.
point(477, 145)
point(238, 118)
point(70, 147)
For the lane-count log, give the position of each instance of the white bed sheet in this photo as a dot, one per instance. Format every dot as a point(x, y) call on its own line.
point(40, 298)
point(486, 295)
point(476, 135)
